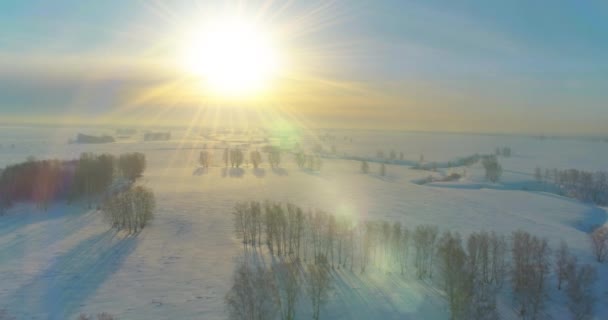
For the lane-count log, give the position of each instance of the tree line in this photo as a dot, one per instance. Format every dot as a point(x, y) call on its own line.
point(471, 272)
point(43, 181)
point(579, 184)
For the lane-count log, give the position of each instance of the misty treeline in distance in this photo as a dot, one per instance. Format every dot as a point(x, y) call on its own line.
point(308, 246)
point(583, 185)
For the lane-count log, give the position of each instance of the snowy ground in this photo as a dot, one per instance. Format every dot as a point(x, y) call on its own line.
point(56, 264)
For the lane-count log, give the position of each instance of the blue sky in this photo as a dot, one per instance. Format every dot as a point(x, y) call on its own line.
point(423, 65)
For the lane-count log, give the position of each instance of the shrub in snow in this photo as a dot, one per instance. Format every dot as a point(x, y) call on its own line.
point(131, 209)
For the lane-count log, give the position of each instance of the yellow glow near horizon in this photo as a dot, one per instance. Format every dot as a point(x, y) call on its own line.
point(233, 57)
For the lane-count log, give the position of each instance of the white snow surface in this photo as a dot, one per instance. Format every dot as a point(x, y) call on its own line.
point(59, 263)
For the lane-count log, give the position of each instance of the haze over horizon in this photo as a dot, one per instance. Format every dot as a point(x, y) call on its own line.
point(475, 66)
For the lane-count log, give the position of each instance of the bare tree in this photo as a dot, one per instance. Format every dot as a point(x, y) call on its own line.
point(562, 259)
point(131, 209)
point(581, 299)
point(456, 279)
point(364, 166)
point(256, 158)
point(424, 239)
point(599, 243)
point(492, 167)
point(205, 158)
point(319, 284)
point(530, 270)
point(253, 295)
point(288, 277)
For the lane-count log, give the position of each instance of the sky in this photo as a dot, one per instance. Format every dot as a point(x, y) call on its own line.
point(430, 65)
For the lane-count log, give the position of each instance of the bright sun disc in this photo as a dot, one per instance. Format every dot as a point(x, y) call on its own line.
point(232, 57)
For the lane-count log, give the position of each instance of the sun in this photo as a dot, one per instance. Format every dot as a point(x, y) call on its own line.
point(233, 57)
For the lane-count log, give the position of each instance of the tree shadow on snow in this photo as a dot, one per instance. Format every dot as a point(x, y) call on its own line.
point(377, 295)
point(259, 172)
point(233, 172)
point(60, 290)
point(200, 171)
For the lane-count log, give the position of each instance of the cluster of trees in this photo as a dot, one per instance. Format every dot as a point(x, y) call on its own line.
point(308, 161)
point(256, 158)
point(599, 243)
point(233, 157)
point(43, 181)
point(131, 209)
point(274, 157)
point(390, 156)
point(504, 151)
point(470, 271)
point(365, 168)
point(267, 293)
point(492, 167)
point(466, 161)
point(132, 165)
point(579, 184)
point(204, 158)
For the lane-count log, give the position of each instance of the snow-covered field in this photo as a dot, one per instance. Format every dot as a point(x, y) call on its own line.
point(56, 264)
